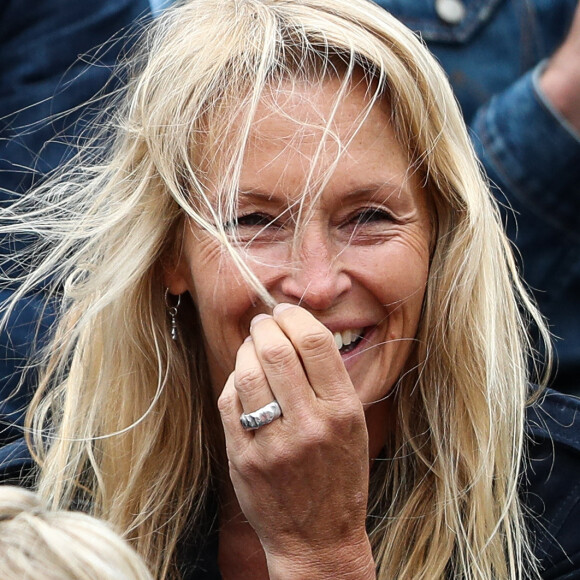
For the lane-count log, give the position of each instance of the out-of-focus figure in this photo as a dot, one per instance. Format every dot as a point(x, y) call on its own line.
point(55, 56)
point(36, 542)
point(523, 111)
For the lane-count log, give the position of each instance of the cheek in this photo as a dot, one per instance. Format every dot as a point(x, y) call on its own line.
point(396, 274)
point(223, 298)
point(213, 276)
point(407, 282)
point(224, 305)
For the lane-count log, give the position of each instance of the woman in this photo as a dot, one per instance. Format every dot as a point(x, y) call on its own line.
point(59, 545)
point(288, 226)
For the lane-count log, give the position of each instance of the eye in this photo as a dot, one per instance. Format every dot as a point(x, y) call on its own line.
point(370, 215)
point(256, 227)
point(368, 225)
point(251, 220)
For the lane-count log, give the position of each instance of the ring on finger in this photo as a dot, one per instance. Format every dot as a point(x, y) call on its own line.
point(263, 416)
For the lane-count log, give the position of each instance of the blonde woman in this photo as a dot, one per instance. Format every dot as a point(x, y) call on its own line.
point(293, 342)
point(59, 545)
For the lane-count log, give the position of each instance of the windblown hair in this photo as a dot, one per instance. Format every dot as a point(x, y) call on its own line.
point(123, 419)
point(36, 542)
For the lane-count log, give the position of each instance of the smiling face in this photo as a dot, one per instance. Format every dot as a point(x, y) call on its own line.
point(360, 262)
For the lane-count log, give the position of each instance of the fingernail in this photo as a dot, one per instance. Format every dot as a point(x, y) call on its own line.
point(279, 308)
point(257, 319)
point(248, 338)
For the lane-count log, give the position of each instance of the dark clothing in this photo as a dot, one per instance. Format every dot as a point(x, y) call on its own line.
point(550, 489)
point(54, 56)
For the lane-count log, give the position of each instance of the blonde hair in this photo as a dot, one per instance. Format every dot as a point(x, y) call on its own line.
point(59, 545)
point(127, 413)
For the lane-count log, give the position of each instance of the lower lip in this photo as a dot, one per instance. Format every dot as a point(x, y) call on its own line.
point(350, 358)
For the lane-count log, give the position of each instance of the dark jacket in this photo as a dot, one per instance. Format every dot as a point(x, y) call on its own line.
point(550, 489)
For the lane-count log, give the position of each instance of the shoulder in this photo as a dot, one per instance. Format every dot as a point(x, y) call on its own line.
point(551, 486)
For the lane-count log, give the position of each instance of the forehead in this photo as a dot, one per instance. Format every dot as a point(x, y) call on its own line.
point(309, 109)
point(315, 126)
point(303, 139)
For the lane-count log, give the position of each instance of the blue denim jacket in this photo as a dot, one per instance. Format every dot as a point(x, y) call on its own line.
point(493, 57)
point(45, 50)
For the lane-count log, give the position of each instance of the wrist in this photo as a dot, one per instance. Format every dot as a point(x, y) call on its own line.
point(351, 561)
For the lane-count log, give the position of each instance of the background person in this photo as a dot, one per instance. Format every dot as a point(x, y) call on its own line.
point(56, 56)
point(57, 545)
point(514, 66)
point(288, 218)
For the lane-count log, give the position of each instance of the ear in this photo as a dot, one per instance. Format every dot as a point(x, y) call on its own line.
point(174, 282)
point(176, 275)
point(175, 271)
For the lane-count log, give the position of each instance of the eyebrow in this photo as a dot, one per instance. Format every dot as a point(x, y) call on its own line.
point(259, 194)
point(377, 188)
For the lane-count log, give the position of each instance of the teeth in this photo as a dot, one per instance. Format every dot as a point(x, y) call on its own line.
point(346, 337)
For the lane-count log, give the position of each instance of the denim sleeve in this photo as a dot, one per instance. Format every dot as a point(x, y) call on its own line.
point(531, 153)
point(55, 55)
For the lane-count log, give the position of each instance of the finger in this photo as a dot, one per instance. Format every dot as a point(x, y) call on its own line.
point(317, 350)
point(230, 409)
point(250, 380)
point(281, 365)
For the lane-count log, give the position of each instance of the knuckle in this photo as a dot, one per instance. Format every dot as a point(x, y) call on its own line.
point(280, 354)
point(286, 459)
point(333, 422)
point(254, 463)
point(314, 431)
point(344, 421)
point(249, 380)
point(226, 402)
point(318, 342)
point(246, 465)
point(347, 413)
point(316, 436)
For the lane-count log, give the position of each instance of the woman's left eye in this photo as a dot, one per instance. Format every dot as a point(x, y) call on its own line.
point(370, 215)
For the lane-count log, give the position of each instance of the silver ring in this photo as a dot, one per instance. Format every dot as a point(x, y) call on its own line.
point(261, 417)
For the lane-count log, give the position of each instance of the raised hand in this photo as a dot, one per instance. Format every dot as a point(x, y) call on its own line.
point(561, 79)
point(302, 480)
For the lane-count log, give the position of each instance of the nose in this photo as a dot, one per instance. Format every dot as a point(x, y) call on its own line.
point(316, 278)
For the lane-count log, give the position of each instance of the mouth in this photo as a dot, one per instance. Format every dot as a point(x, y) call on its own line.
point(347, 340)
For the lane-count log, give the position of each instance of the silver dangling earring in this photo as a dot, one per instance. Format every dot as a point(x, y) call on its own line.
point(172, 311)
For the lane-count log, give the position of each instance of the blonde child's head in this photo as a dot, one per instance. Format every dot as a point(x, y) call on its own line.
point(36, 542)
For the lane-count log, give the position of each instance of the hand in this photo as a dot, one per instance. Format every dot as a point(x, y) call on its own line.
point(301, 481)
point(561, 79)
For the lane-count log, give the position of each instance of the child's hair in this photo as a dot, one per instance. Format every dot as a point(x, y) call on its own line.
point(36, 542)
